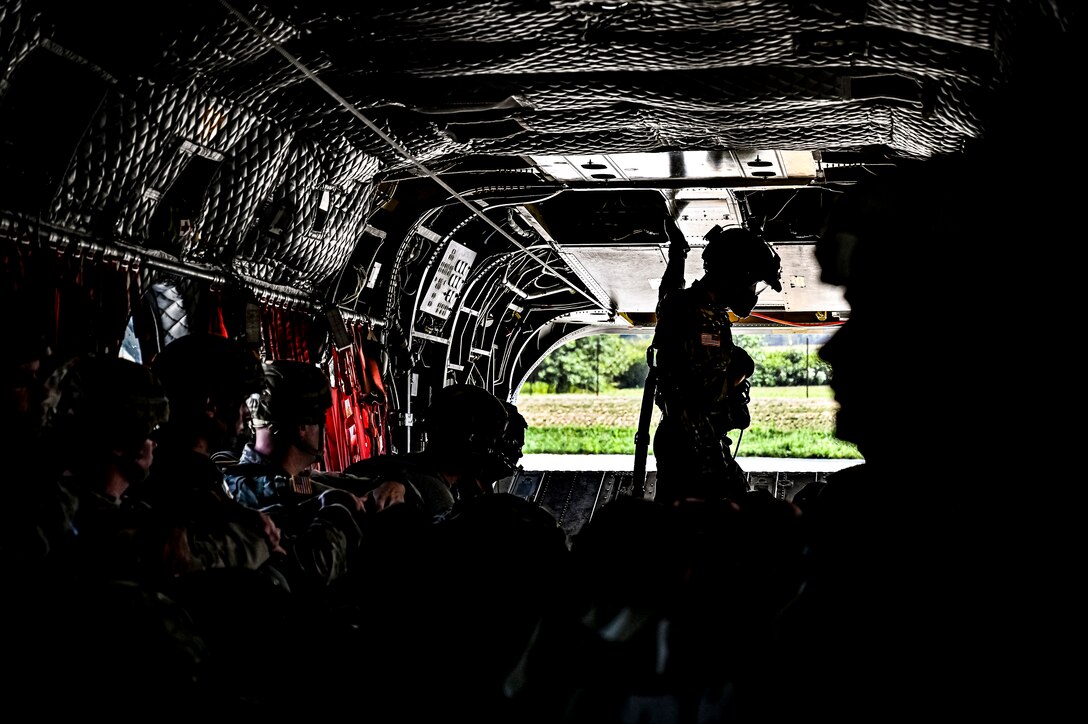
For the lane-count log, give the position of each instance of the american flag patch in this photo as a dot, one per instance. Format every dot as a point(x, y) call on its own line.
point(710, 340)
point(301, 484)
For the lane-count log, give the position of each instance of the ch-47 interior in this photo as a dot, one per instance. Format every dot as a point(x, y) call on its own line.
point(422, 193)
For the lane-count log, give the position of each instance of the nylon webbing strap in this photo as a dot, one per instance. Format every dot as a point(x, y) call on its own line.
point(642, 435)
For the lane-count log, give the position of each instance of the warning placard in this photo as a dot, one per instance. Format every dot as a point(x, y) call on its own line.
point(448, 280)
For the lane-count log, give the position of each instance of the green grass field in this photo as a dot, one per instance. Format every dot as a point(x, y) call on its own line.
point(787, 422)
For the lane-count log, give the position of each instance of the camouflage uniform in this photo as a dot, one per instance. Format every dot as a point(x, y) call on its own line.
point(189, 494)
point(425, 489)
point(257, 482)
point(185, 488)
point(694, 351)
point(320, 535)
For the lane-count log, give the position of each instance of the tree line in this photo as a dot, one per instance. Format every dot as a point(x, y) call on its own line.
point(608, 362)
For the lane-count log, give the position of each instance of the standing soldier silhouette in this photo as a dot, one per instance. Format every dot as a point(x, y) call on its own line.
point(700, 376)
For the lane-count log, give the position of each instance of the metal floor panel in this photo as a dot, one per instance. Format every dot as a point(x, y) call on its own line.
point(574, 496)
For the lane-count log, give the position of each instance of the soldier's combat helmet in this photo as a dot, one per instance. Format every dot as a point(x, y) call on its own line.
point(513, 438)
point(106, 405)
point(742, 256)
point(466, 424)
point(294, 393)
point(198, 366)
point(207, 378)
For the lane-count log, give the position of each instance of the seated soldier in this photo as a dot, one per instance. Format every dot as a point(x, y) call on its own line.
point(207, 379)
point(102, 621)
point(893, 572)
point(37, 516)
point(319, 532)
point(465, 454)
point(456, 541)
point(288, 418)
point(103, 414)
point(513, 445)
